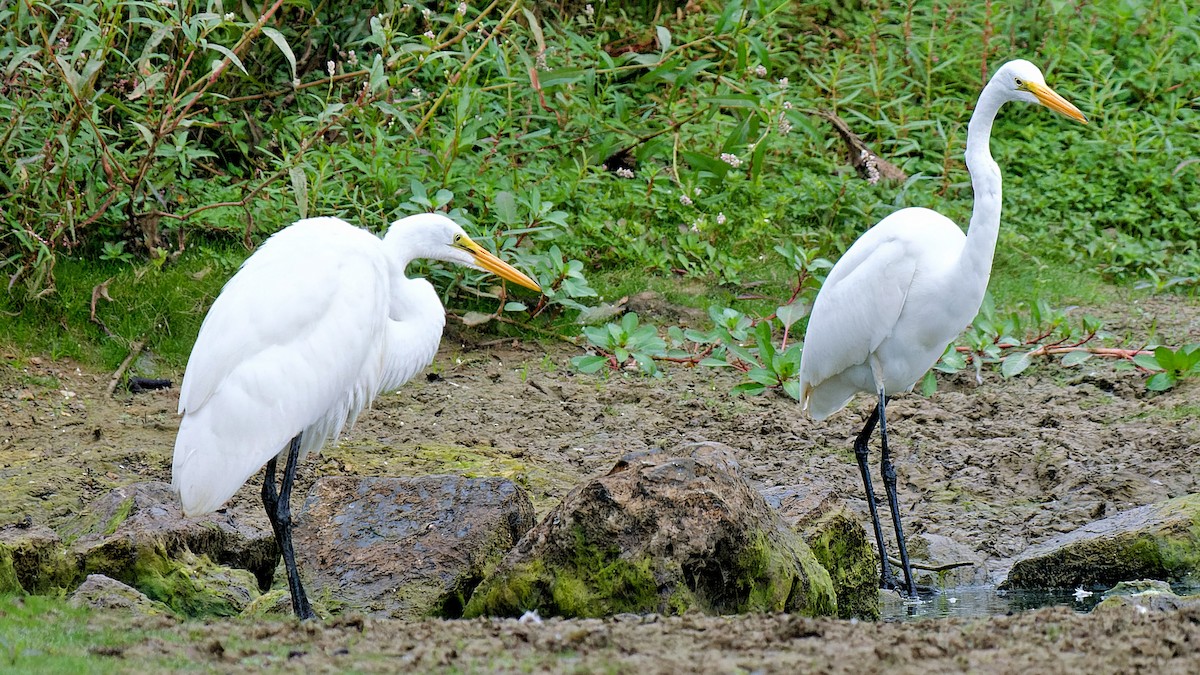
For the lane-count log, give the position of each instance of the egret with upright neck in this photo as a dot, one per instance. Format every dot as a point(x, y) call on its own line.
point(315, 325)
point(904, 290)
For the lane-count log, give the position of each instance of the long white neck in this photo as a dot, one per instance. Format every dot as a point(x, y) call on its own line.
point(415, 313)
point(976, 261)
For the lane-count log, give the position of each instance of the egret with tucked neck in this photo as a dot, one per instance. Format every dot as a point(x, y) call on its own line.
point(903, 291)
point(315, 325)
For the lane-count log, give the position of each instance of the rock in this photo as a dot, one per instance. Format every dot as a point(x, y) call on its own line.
point(101, 592)
point(1156, 541)
point(946, 556)
point(275, 602)
point(34, 560)
point(839, 542)
point(1146, 596)
point(406, 547)
point(137, 535)
point(662, 532)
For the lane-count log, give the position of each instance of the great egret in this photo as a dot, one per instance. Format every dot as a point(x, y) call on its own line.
point(317, 323)
point(904, 290)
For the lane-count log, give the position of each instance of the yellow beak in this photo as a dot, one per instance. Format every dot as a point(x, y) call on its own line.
point(1053, 101)
point(491, 263)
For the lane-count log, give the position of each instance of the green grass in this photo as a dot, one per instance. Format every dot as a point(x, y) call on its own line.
point(456, 123)
point(47, 635)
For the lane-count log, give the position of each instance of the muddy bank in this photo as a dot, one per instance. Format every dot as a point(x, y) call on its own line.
point(996, 467)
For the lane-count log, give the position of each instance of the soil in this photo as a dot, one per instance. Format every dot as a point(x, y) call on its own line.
point(996, 466)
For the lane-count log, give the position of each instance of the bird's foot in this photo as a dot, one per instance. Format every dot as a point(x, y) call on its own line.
point(889, 582)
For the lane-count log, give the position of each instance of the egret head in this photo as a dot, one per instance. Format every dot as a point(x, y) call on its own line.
point(436, 237)
point(1020, 80)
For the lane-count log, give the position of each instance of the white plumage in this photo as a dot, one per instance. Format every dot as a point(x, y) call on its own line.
point(907, 287)
point(315, 325)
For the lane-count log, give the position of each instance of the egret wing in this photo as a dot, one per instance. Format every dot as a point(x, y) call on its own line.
point(855, 311)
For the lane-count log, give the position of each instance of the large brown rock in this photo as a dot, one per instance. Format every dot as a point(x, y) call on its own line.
point(662, 532)
point(1157, 541)
point(406, 547)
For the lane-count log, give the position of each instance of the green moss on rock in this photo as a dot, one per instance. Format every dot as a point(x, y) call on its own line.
point(188, 584)
point(1157, 541)
point(33, 560)
point(842, 548)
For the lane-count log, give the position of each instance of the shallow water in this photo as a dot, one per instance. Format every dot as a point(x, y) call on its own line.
point(981, 601)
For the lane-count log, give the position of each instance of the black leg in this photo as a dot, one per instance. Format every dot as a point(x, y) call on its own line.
point(861, 449)
point(889, 485)
point(279, 512)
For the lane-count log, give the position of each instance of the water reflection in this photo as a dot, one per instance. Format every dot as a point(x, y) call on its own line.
point(980, 601)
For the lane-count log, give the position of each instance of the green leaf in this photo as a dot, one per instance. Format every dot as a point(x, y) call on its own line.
point(1161, 382)
point(749, 389)
point(664, 38)
point(1166, 358)
point(646, 363)
point(505, 206)
point(928, 384)
point(588, 364)
point(1147, 361)
point(227, 53)
point(282, 44)
point(792, 389)
point(763, 376)
point(1076, 357)
point(793, 312)
point(300, 187)
point(732, 101)
point(1015, 364)
point(515, 306)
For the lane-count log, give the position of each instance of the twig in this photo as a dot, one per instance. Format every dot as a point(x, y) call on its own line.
point(134, 350)
point(931, 568)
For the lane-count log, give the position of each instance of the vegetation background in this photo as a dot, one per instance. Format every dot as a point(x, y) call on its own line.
point(610, 147)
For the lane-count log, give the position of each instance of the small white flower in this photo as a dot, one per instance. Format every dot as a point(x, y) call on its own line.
point(760, 70)
point(787, 105)
point(230, 16)
point(624, 173)
point(427, 12)
point(540, 62)
point(696, 192)
point(731, 159)
point(720, 218)
point(462, 9)
point(783, 83)
point(589, 11)
point(685, 200)
point(330, 68)
point(429, 34)
point(352, 58)
point(785, 126)
point(417, 93)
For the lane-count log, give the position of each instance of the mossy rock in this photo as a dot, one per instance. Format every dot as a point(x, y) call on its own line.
point(33, 560)
point(665, 533)
point(189, 584)
point(841, 546)
point(1158, 541)
point(101, 592)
